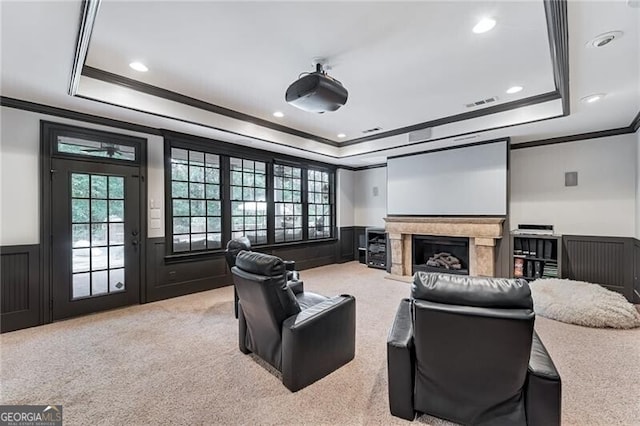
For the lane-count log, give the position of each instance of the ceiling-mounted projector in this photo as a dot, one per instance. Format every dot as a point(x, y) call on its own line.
point(317, 92)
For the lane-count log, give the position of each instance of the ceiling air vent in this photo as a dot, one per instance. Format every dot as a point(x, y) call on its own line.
point(374, 129)
point(482, 102)
point(466, 138)
point(420, 135)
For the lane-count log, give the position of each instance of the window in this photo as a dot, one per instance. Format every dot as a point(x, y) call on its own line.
point(195, 200)
point(319, 204)
point(218, 191)
point(249, 200)
point(76, 146)
point(287, 196)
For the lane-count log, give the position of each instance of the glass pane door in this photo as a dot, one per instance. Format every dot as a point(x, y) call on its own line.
point(97, 221)
point(95, 236)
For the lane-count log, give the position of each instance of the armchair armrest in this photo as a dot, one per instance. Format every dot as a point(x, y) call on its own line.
point(317, 341)
point(292, 274)
point(296, 286)
point(400, 363)
point(543, 392)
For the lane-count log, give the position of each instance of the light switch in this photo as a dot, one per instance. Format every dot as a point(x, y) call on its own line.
point(155, 224)
point(156, 214)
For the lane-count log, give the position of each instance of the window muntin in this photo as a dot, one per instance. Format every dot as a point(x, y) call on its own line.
point(319, 204)
point(248, 199)
point(195, 200)
point(287, 195)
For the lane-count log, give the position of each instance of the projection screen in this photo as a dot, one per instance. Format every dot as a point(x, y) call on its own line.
point(467, 181)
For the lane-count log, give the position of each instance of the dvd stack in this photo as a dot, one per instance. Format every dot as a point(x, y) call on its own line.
point(550, 270)
point(536, 255)
point(376, 248)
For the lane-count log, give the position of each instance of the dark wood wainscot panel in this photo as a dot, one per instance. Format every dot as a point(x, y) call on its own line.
point(360, 243)
point(171, 279)
point(347, 244)
point(174, 277)
point(306, 256)
point(608, 261)
point(20, 286)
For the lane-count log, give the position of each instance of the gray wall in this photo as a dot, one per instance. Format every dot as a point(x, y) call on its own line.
point(603, 203)
point(606, 201)
point(20, 175)
point(345, 187)
point(370, 197)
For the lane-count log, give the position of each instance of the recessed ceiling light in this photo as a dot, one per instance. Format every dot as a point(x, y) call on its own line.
point(604, 39)
point(593, 98)
point(278, 114)
point(342, 135)
point(139, 66)
point(514, 89)
point(484, 25)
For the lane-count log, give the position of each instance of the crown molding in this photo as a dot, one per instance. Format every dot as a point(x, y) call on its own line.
point(120, 124)
point(573, 138)
point(556, 17)
point(85, 29)
point(159, 92)
point(558, 30)
point(635, 124)
point(74, 115)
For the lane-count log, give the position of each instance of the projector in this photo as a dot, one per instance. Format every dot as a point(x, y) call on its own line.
point(316, 92)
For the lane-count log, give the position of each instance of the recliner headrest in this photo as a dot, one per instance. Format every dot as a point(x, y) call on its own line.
point(464, 290)
point(260, 263)
point(237, 244)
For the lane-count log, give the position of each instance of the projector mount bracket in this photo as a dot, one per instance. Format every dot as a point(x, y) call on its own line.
point(321, 65)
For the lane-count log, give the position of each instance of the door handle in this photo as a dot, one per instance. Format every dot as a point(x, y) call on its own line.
point(134, 241)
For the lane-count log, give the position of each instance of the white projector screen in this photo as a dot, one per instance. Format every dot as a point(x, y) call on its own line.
point(466, 181)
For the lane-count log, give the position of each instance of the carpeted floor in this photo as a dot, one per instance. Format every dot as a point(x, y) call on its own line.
point(177, 362)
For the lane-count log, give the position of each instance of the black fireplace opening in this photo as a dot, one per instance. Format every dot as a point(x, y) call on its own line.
point(441, 254)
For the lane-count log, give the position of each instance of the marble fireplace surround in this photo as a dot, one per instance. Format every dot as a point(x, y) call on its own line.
point(481, 231)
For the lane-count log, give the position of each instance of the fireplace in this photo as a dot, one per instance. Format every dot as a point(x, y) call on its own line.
point(440, 254)
point(481, 234)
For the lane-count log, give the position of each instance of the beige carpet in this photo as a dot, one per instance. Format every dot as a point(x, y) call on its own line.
point(177, 362)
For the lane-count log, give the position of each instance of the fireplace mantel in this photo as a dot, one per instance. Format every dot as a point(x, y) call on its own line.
point(481, 231)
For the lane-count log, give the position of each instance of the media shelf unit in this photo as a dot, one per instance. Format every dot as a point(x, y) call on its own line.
point(376, 240)
point(536, 256)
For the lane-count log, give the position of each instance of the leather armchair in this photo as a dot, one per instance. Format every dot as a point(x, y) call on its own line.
point(236, 245)
point(464, 349)
point(305, 336)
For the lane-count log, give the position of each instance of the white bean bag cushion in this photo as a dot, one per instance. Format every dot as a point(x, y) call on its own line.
point(582, 303)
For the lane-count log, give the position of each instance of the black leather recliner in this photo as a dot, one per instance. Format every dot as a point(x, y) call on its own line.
point(236, 245)
point(464, 349)
point(305, 336)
